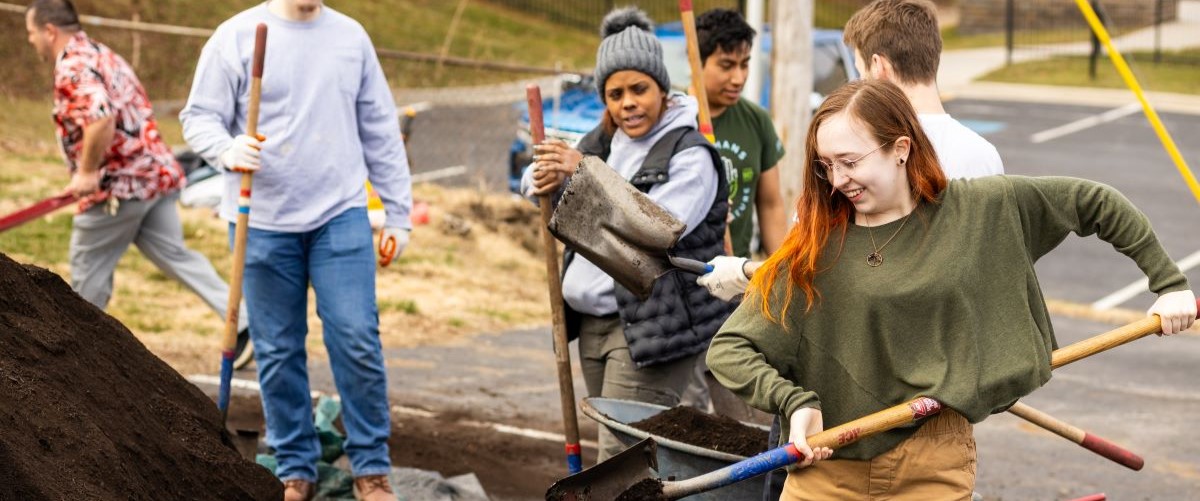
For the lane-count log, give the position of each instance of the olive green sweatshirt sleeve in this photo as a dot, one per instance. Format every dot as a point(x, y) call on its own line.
point(1052, 207)
point(747, 355)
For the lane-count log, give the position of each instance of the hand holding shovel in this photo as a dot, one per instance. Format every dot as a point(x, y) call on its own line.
point(553, 162)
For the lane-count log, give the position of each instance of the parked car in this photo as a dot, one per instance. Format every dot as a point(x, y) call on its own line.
point(576, 108)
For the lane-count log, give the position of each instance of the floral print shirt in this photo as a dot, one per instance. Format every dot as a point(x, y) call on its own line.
point(91, 82)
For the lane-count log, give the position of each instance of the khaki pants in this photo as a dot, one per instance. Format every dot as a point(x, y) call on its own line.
point(609, 371)
point(937, 462)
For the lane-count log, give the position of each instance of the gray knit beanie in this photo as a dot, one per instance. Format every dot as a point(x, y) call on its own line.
point(629, 44)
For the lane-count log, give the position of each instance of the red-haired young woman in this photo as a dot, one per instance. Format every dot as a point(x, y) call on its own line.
point(895, 283)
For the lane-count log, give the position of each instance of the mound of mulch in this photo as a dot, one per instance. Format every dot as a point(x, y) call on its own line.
point(692, 426)
point(88, 413)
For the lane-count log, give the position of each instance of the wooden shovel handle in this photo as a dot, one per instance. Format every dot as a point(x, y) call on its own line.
point(1108, 340)
point(562, 353)
point(241, 231)
point(1086, 440)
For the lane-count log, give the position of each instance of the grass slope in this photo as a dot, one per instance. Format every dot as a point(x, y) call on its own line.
point(166, 62)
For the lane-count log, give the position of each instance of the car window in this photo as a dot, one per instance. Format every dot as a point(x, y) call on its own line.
point(829, 73)
point(678, 68)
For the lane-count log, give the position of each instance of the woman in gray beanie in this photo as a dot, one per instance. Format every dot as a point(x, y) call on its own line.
point(642, 350)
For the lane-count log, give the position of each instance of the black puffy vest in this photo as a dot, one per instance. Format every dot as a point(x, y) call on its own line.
point(680, 317)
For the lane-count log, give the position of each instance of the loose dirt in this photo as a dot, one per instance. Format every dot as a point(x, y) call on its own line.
point(719, 433)
point(89, 413)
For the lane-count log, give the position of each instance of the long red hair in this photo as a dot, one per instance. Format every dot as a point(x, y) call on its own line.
point(883, 108)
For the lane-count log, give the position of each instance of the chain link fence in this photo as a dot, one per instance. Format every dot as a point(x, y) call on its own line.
point(1044, 28)
point(460, 65)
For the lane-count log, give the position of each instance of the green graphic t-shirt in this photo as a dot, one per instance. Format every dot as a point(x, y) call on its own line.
point(748, 144)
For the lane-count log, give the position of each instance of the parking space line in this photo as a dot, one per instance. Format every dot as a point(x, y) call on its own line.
point(1084, 123)
point(1126, 293)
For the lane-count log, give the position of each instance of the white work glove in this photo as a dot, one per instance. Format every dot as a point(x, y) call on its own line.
point(727, 280)
point(244, 155)
point(806, 422)
point(1176, 310)
point(392, 242)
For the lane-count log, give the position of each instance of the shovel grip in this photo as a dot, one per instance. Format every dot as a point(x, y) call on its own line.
point(1112, 451)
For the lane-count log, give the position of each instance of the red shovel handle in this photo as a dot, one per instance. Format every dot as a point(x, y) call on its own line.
point(35, 211)
point(1113, 452)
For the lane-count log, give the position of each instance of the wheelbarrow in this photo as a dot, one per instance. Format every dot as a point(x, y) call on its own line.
point(675, 459)
point(628, 476)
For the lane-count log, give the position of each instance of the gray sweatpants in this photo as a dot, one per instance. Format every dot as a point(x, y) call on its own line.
point(609, 371)
point(98, 240)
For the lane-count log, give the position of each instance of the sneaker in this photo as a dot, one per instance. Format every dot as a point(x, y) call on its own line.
point(373, 488)
point(298, 489)
point(243, 353)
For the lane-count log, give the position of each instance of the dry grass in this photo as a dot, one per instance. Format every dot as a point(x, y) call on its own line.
point(473, 268)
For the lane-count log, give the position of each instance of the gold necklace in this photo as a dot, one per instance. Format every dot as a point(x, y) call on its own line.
point(875, 259)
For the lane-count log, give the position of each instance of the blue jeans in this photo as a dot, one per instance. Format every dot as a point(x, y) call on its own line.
point(339, 260)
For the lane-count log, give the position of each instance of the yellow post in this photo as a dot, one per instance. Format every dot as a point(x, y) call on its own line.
point(1131, 81)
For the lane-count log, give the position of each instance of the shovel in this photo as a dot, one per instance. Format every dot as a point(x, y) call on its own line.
point(35, 211)
point(638, 484)
point(241, 231)
point(618, 228)
point(562, 352)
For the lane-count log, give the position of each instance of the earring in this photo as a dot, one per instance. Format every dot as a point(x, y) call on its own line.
point(901, 161)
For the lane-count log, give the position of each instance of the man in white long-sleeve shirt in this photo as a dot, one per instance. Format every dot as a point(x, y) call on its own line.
point(328, 124)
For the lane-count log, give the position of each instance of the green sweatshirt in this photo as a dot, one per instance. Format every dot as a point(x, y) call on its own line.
point(955, 311)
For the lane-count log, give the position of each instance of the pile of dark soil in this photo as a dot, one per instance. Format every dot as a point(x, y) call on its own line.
point(89, 413)
point(719, 433)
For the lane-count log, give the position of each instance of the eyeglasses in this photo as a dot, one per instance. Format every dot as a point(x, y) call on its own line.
point(825, 171)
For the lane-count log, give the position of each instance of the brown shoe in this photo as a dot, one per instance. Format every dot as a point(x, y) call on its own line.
point(298, 490)
point(373, 488)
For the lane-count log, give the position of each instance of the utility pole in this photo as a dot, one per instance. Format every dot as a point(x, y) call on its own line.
point(754, 12)
point(791, 89)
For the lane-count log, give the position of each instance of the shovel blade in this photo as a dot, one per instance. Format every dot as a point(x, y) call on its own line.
point(610, 478)
point(615, 227)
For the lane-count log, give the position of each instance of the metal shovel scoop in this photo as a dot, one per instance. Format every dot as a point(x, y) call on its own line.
point(615, 226)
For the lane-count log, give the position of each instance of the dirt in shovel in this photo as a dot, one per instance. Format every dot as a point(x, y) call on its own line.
point(89, 413)
point(692, 426)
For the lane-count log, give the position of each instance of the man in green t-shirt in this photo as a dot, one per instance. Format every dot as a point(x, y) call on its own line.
point(745, 134)
point(749, 149)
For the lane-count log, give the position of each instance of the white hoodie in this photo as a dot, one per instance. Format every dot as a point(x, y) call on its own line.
point(687, 195)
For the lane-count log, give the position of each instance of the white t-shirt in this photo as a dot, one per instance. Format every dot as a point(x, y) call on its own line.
point(962, 152)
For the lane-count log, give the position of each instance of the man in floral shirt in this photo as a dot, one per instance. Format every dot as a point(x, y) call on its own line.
point(125, 176)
